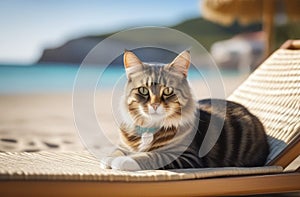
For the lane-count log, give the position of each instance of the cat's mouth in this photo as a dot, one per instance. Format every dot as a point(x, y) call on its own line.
point(159, 112)
point(155, 113)
point(152, 112)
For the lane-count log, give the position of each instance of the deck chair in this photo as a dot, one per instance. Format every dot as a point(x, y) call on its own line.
point(272, 93)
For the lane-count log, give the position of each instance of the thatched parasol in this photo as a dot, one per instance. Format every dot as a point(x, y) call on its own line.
point(226, 12)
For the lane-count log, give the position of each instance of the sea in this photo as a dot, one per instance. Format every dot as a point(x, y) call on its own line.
point(57, 78)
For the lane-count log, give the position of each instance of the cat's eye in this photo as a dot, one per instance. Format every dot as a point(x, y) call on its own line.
point(168, 91)
point(143, 91)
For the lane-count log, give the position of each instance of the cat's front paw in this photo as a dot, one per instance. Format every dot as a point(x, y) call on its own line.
point(105, 162)
point(125, 163)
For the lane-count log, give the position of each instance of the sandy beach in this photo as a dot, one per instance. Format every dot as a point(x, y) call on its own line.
point(34, 122)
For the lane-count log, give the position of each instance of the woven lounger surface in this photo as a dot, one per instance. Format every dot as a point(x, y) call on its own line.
point(83, 166)
point(272, 93)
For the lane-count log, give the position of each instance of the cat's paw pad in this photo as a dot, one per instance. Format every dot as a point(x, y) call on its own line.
point(125, 163)
point(105, 163)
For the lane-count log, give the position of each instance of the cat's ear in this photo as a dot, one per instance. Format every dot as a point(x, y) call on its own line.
point(131, 62)
point(181, 63)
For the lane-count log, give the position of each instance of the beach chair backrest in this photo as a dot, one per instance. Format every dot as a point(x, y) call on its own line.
point(272, 93)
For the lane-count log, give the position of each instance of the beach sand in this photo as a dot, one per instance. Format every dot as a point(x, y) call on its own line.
point(35, 122)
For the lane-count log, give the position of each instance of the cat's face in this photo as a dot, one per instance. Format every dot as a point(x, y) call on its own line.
point(157, 95)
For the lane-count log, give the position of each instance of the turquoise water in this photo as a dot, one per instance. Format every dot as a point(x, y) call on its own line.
point(48, 78)
point(44, 78)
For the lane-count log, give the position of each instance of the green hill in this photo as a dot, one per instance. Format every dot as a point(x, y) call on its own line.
point(207, 32)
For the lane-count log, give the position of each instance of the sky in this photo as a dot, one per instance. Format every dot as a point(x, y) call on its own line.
point(29, 26)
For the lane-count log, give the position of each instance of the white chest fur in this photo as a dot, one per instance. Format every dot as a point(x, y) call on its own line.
point(146, 140)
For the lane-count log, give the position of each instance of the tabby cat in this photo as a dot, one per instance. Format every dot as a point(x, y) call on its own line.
point(164, 127)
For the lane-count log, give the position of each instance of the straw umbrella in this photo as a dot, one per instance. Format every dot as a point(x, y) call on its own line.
point(226, 12)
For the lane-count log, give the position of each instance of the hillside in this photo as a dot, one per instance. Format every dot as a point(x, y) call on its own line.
point(205, 32)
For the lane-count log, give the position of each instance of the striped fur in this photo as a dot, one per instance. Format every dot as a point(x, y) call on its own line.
point(159, 96)
point(242, 142)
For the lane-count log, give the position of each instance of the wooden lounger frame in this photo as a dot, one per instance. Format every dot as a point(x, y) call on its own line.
point(245, 185)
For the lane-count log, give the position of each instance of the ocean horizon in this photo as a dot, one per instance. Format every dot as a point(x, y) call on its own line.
point(60, 78)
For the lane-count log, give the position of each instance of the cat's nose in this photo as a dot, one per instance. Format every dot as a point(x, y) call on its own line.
point(155, 106)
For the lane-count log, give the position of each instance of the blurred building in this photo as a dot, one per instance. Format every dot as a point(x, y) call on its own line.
point(242, 52)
